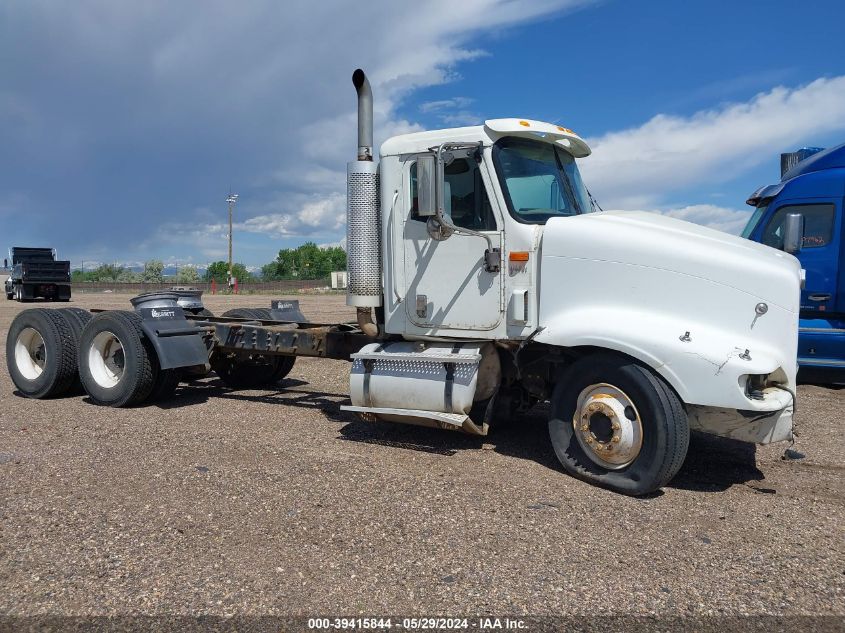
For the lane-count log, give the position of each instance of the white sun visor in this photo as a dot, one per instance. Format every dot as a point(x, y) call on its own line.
point(563, 136)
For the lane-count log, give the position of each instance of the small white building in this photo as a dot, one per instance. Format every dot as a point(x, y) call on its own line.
point(339, 280)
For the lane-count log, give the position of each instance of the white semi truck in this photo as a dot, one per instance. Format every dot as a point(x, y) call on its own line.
point(485, 283)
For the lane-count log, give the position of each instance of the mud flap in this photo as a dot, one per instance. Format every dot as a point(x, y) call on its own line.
point(287, 310)
point(177, 342)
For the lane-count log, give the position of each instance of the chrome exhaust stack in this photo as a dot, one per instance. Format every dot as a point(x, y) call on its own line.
point(365, 115)
point(363, 218)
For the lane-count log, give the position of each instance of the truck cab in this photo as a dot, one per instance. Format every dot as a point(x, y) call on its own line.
point(489, 247)
point(502, 182)
point(812, 188)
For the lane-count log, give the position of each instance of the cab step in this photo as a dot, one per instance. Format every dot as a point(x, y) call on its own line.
point(418, 417)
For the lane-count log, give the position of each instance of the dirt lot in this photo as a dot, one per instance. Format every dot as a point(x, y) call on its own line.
point(276, 502)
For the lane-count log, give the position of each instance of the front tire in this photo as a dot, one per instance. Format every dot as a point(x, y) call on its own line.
point(616, 424)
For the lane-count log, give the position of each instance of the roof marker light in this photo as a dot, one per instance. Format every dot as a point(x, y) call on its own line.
point(525, 123)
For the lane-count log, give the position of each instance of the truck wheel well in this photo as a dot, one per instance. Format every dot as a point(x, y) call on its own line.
point(537, 367)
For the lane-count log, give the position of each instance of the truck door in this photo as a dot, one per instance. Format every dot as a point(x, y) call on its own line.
point(446, 283)
point(820, 252)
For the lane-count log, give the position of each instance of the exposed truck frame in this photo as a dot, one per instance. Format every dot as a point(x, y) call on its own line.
point(484, 284)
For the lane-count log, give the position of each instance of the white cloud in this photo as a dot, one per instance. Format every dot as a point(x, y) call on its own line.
point(721, 218)
point(716, 217)
point(253, 95)
point(452, 112)
point(445, 104)
point(638, 167)
point(340, 243)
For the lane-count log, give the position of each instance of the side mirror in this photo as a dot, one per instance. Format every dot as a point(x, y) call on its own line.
point(793, 233)
point(426, 179)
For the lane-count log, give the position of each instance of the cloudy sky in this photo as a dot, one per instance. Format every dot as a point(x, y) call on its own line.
point(124, 125)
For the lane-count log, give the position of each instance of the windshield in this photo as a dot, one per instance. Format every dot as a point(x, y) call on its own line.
point(540, 180)
point(759, 212)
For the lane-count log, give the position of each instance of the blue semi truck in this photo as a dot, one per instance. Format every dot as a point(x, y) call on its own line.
point(803, 215)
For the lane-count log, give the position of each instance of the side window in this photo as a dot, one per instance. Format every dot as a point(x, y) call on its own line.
point(467, 200)
point(818, 225)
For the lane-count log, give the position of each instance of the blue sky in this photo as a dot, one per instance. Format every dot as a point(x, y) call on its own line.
point(125, 124)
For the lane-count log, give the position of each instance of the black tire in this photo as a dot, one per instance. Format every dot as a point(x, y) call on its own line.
point(241, 313)
point(283, 366)
point(245, 372)
point(166, 382)
point(78, 316)
point(77, 319)
point(663, 420)
point(261, 313)
point(51, 371)
point(204, 312)
point(137, 367)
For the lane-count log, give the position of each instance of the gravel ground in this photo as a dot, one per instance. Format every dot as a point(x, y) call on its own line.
point(276, 502)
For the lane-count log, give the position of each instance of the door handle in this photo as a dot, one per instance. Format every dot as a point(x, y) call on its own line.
point(819, 297)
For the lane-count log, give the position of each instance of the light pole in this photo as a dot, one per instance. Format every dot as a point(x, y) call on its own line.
point(232, 199)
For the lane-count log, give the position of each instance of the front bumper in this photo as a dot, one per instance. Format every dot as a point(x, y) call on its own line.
point(759, 427)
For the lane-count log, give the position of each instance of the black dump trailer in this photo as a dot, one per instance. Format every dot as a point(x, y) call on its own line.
point(36, 273)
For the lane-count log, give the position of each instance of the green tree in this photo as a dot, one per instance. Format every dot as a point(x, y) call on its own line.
point(307, 261)
point(219, 272)
point(154, 271)
point(106, 272)
point(127, 276)
point(187, 275)
point(270, 271)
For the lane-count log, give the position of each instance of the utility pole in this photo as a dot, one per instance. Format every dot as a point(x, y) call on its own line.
point(232, 199)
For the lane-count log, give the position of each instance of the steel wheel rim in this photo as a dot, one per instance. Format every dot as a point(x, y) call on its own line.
point(30, 353)
point(106, 360)
point(608, 426)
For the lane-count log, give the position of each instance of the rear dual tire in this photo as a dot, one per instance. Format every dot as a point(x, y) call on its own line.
point(41, 351)
point(118, 366)
point(245, 371)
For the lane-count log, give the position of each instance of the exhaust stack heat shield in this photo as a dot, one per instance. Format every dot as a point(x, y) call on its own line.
point(363, 235)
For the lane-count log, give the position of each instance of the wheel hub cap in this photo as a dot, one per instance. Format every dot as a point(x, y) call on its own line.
point(30, 353)
point(106, 359)
point(607, 426)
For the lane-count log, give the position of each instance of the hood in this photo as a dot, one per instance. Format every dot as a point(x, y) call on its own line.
point(656, 241)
